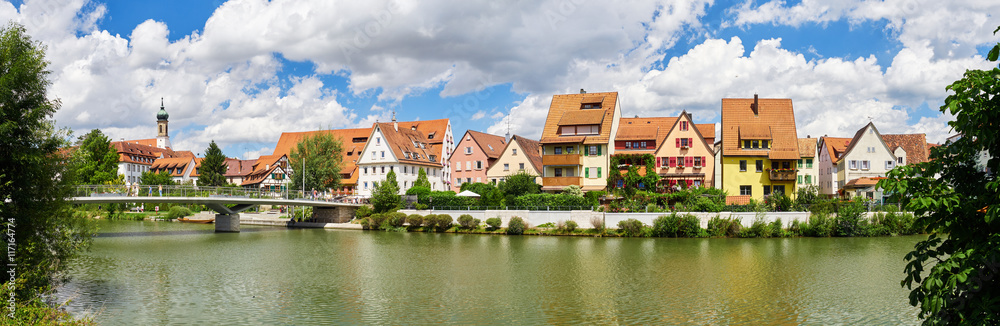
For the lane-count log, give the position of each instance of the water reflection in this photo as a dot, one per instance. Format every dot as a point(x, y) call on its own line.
point(187, 274)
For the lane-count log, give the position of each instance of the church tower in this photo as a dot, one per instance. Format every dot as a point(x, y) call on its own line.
point(163, 134)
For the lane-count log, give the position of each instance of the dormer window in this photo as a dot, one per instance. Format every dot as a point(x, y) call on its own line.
point(756, 144)
point(591, 106)
point(579, 130)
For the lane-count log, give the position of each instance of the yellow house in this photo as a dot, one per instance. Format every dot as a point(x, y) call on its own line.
point(759, 148)
point(519, 155)
point(578, 140)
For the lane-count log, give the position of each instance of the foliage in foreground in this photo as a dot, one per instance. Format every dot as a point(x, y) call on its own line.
point(953, 278)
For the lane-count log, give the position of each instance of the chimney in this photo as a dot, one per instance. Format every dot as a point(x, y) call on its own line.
point(583, 91)
point(756, 105)
point(394, 124)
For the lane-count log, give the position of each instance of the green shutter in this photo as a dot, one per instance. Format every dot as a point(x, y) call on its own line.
point(598, 150)
point(598, 172)
point(800, 179)
point(586, 152)
point(586, 172)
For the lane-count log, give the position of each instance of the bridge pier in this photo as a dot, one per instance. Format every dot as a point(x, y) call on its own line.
point(341, 214)
point(227, 222)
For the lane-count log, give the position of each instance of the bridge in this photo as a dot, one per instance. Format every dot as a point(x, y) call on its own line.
point(227, 202)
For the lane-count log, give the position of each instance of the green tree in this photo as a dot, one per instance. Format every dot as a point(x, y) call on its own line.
point(385, 195)
point(34, 177)
point(150, 178)
point(97, 160)
point(422, 179)
point(322, 155)
point(519, 184)
point(213, 167)
point(953, 274)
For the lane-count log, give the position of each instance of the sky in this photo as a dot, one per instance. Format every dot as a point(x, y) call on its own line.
point(242, 72)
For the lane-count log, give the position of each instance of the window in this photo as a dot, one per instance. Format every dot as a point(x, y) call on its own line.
point(557, 150)
point(889, 164)
point(685, 143)
point(746, 144)
point(595, 149)
point(800, 164)
point(746, 191)
point(779, 188)
point(767, 190)
point(628, 144)
point(697, 161)
point(513, 151)
point(800, 179)
point(458, 181)
point(468, 150)
point(684, 125)
point(899, 160)
point(569, 172)
point(458, 167)
point(467, 180)
point(558, 172)
point(479, 179)
point(755, 143)
point(506, 166)
point(468, 165)
point(569, 149)
point(760, 166)
point(743, 165)
point(383, 170)
point(763, 144)
point(853, 165)
point(808, 179)
point(680, 161)
point(521, 166)
point(785, 165)
point(383, 154)
point(479, 165)
point(865, 165)
point(809, 163)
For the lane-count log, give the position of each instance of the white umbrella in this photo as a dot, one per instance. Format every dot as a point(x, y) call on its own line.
point(468, 194)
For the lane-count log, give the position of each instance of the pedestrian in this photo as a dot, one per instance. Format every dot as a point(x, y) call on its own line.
point(161, 190)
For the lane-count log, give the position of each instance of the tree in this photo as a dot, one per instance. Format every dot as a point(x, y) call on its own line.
point(213, 167)
point(385, 196)
point(960, 209)
point(519, 184)
point(422, 179)
point(35, 179)
point(322, 154)
point(150, 178)
point(97, 160)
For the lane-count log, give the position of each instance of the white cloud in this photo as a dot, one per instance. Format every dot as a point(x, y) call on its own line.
point(497, 115)
point(479, 115)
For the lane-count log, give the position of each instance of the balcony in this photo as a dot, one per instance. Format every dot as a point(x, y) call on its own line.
point(561, 181)
point(561, 159)
point(782, 175)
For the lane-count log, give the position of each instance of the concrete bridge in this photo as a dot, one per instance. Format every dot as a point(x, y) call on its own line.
point(227, 202)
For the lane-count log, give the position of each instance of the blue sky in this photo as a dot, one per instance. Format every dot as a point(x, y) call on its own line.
point(241, 72)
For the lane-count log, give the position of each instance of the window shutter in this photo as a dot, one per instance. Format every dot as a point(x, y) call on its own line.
point(690, 142)
point(657, 162)
point(703, 162)
point(586, 172)
point(598, 172)
point(689, 182)
point(678, 142)
point(598, 150)
point(688, 161)
point(673, 162)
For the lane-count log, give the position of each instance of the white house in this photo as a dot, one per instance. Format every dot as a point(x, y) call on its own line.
point(393, 147)
point(850, 172)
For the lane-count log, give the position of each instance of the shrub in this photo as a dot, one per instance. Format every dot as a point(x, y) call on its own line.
point(630, 228)
point(758, 229)
point(690, 226)
point(363, 212)
point(443, 222)
point(516, 226)
point(849, 222)
point(570, 226)
point(415, 220)
point(394, 220)
point(466, 221)
point(430, 221)
point(421, 206)
point(376, 220)
point(493, 223)
point(720, 227)
point(546, 225)
point(666, 226)
point(820, 225)
point(597, 223)
point(775, 228)
point(178, 212)
point(795, 229)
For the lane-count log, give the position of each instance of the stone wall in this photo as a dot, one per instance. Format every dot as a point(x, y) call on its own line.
point(583, 218)
point(341, 214)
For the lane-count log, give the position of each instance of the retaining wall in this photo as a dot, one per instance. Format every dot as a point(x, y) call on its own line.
point(583, 218)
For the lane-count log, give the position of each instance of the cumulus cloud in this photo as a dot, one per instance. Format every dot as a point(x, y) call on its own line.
point(479, 115)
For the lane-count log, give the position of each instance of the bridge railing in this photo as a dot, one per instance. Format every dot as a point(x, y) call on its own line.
point(178, 191)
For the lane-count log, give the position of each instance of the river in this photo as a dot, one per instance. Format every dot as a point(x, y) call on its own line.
point(163, 273)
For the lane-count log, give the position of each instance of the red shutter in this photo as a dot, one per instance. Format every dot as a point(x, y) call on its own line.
point(657, 162)
point(689, 182)
point(689, 161)
point(690, 142)
point(678, 142)
point(673, 162)
point(704, 163)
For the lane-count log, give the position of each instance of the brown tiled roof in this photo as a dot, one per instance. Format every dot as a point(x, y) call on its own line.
point(131, 151)
point(172, 163)
point(262, 168)
point(350, 155)
point(238, 168)
point(491, 145)
point(915, 145)
point(755, 131)
point(402, 141)
point(707, 131)
point(863, 182)
point(836, 146)
point(532, 148)
point(147, 142)
point(584, 117)
point(776, 114)
point(807, 147)
point(654, 128)
point(438, 128)
point(569, 105)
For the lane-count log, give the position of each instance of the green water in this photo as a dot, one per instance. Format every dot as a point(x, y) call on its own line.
point(162, 273)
